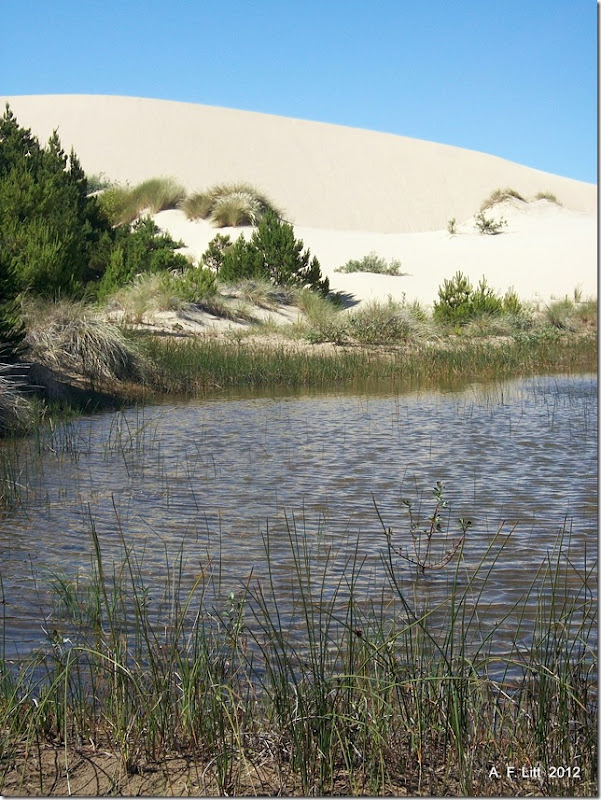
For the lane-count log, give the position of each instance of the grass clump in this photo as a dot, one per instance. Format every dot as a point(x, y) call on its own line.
point(15, 410)
point(371, 691)
point(372, 263)
point(229, 205)
point(385, 323)
point(499, 196)
point(124, 204)
point(68, 337)
point(547, 196)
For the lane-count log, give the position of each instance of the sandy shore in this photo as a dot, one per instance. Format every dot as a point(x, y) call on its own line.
point(347, 191)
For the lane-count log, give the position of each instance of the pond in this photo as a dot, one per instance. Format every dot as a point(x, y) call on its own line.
point(219, 481)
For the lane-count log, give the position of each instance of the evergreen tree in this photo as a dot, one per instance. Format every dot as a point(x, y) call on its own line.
point(273, 253)
point(49, 227)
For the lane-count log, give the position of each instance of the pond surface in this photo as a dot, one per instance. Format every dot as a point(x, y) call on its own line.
point(218, 480)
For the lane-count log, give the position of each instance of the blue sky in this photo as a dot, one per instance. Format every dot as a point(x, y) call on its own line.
point(517, 79)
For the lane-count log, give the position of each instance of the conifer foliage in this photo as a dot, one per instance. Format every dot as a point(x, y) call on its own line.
point(49, 227)
point(273, 253)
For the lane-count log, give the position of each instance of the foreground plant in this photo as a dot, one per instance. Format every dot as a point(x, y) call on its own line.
point(68, 337)
point(361, 688)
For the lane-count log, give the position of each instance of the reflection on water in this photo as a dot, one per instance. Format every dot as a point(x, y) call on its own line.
point(217, 477)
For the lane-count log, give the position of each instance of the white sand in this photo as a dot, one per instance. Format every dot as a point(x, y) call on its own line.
point(347, 191)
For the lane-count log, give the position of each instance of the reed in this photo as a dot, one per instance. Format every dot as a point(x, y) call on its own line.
point(360, 689)
point(204, 364)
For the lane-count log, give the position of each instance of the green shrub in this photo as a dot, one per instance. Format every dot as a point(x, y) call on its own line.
point(213, 256)
point(458, 301)
point(141, 250)
point(489, 225)
point(372, 263)
point(272, 254)
point(50, 227)
point(192, 285)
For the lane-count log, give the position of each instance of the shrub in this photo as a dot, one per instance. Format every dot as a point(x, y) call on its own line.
point(229, 205)
point(458, 301)
point(193, 285)
point(273, 254)
point(372, 263)
point(452, 226)
point(50, 228)
point(488, 224)
point(498, 196)
point(213, 256)
point(141, 250)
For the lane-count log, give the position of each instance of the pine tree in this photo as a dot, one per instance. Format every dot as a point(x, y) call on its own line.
point(273, 253)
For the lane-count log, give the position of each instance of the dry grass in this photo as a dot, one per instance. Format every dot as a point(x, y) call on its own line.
point(69, 337)
point(229, 205)
point(500, 195)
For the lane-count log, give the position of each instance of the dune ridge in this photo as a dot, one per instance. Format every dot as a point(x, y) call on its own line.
point(323, 175)
point(347, 191)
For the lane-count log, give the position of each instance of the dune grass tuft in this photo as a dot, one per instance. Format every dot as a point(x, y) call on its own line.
point(500, 195)
point(68, 337)
point(229, 205)
point(547, 196)
point(123, 204)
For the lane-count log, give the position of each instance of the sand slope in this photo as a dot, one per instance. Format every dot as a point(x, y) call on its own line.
point(347, 192)
point(323, 175)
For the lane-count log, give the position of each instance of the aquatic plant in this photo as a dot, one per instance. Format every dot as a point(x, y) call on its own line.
point(365, 697)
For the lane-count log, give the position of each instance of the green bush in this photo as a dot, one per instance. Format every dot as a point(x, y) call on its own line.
point(143, 249)
point(272, 254)
point(50, 227)
point(213, 256)
point(372, 263)
point(489, 225)
point(459, 303)
point(192, 285)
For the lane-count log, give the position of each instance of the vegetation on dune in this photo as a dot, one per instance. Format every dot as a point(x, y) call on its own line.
point(67, 336)
point(229, 205)
point(124, 204)
point(272, 253)
point(372, 262)
point(499, 196)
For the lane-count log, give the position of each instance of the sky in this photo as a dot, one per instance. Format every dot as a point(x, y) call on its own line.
point(516, 79)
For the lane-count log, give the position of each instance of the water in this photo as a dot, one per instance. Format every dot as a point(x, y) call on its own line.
point(216, 478)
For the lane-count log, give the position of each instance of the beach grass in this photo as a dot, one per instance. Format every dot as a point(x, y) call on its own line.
point(229, 205)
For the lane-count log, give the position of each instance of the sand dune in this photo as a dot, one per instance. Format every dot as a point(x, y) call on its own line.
point(347, 191)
